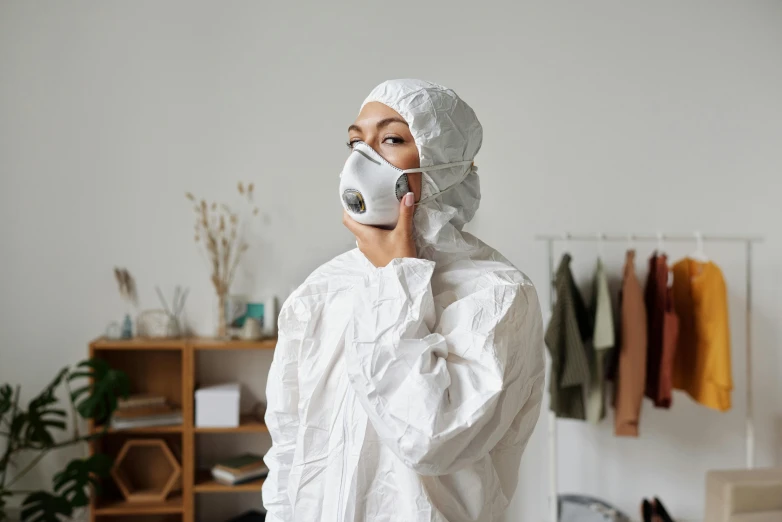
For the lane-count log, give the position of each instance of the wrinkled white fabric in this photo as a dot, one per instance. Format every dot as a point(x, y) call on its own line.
point(408, 393)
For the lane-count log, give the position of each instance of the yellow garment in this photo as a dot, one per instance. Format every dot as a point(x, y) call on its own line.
point(702, 367)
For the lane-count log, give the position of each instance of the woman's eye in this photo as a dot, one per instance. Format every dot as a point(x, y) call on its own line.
point(351, 143)
point(393, 140)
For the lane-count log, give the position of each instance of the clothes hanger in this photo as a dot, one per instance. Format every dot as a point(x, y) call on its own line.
point(699, 254)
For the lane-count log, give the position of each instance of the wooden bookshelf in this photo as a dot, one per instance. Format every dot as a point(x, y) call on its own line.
point(167, 367)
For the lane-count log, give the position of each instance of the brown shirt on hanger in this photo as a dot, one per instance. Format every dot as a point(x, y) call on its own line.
point(631, 372)
point(662, 329)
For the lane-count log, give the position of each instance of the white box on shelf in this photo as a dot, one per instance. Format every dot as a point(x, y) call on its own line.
point(217, 406)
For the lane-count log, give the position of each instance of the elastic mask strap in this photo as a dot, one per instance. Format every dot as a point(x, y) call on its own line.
point(437, 167)
point(464, 176)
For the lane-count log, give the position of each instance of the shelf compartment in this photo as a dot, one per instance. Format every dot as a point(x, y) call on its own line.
point(247, 424)
point(146, 471)
point(154, 372)
point(206, 484)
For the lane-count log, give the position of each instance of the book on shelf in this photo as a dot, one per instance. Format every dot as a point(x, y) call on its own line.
point(241, 469)
point(141, 400)
point(230, 479)
point(240, 463)
point(144, 417)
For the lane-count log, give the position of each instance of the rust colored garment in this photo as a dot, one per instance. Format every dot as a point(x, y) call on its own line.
point(702, 365)
point(663, 330)
point(631, 372)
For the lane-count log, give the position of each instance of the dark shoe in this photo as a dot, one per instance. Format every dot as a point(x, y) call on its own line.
point(646, 511)
point(660, 510)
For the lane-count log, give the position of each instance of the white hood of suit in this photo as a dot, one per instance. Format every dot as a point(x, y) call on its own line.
point(445, 130)
point(408, 392)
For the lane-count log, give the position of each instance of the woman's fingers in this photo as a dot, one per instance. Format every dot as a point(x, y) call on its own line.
point(382, 246)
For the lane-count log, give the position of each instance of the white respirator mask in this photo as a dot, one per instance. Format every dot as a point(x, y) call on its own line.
point(370, 188)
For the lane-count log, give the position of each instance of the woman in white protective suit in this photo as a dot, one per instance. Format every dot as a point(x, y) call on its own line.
point(409, 371)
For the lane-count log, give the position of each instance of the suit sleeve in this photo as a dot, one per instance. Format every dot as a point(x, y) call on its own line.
point(441, 392)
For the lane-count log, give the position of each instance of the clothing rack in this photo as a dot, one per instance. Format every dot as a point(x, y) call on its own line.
point(631, 239)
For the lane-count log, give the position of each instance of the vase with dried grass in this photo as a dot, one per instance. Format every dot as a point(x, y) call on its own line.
point(127, 290)
point(219, 233)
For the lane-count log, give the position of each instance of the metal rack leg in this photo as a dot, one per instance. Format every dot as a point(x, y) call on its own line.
point(750, 422)
point(552, 418)
point(552, 466)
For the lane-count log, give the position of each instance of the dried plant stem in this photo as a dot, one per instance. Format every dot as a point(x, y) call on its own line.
point(226, 260)
point(217, 229)
point(232, 272)
point(163, 301)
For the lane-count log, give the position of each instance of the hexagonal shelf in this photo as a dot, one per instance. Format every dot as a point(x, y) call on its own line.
point(145, 470)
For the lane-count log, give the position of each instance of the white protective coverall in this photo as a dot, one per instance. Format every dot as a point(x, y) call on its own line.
point(408, 393)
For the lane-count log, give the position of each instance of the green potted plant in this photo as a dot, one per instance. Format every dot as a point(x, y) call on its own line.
point(92, 390)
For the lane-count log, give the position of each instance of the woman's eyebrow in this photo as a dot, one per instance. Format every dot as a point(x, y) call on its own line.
point(388, 121)
point(382, 123)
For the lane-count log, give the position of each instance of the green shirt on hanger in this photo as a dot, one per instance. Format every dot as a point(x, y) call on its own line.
point(602, 343)
point(567, 335)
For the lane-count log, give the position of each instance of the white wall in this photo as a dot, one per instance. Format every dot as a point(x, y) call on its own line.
point(608, 116)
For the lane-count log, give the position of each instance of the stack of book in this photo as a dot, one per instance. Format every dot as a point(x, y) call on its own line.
point(143, 411)
point(241, 469)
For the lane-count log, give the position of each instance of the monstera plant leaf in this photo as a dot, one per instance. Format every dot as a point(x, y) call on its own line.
point(72, 483)
point(98, 400)
point(35, 427)
point(45, 507)
point(43, 417)
point(3, 496)
point(6, 399)
point(17, 426)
